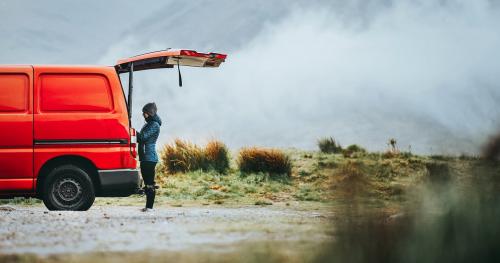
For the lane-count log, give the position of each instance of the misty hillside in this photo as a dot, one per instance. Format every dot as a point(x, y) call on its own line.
point(80, 32)
point(362, 71)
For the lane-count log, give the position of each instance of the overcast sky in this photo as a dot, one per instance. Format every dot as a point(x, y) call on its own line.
point(424, 72)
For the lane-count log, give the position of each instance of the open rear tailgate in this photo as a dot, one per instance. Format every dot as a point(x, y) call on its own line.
point(169, 58)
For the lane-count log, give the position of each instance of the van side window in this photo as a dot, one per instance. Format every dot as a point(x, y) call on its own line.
point(14, 92)
point(75, 92)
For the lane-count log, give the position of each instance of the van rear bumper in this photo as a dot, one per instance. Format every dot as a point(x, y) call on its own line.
point(118, 182)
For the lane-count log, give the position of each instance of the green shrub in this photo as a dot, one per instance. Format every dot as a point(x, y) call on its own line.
point(329, 145)
point(256, 160)
point(353, 150)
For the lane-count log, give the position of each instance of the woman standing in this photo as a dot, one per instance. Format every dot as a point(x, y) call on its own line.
point(147, 151)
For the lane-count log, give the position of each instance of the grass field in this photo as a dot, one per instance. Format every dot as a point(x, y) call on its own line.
point(315, 176)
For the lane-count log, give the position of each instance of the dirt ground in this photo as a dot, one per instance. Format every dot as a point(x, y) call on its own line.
point(111, 233)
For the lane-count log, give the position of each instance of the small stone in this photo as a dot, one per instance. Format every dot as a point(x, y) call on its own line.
point(6, 208)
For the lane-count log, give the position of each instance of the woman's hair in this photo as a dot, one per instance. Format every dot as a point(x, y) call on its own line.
point(150, 109)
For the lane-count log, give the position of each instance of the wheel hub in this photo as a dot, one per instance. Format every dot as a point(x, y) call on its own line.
point(68, 189)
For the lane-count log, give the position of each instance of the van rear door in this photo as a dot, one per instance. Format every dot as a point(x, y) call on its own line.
point(165, 59)
point(170, 58)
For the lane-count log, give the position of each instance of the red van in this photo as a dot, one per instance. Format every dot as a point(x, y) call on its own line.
point(65, 131)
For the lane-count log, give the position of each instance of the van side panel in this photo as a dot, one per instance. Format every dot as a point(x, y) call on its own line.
point(80, 111)
point(16, 129)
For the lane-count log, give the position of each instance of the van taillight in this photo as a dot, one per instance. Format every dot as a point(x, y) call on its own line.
point(133, 142)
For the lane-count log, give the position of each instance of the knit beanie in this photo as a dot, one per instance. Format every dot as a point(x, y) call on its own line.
point(150, 109)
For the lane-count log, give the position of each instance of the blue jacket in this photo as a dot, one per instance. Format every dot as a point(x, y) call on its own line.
point(147, 139)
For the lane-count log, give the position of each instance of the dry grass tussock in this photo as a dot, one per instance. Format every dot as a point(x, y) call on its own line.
point(182, 156)
point(256, 160)
point(217, 156)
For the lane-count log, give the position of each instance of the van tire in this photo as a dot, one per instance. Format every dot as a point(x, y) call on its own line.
point(68, 187)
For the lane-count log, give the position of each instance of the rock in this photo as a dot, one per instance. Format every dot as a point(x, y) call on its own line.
point(6, 208)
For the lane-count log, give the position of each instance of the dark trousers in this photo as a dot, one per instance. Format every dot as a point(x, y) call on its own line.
point(148, 175)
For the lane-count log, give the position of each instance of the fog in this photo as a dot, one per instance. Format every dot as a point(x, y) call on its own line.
point(424, 72)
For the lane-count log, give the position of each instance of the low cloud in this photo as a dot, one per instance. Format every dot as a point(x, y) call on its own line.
point(424, 73)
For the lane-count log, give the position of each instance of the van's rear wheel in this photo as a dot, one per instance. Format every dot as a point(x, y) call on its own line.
point(68, 187)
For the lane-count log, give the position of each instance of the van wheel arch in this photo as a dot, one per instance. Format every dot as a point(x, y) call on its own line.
point(76, 160)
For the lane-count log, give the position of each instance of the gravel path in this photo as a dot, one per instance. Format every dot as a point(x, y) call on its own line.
point(115, 228)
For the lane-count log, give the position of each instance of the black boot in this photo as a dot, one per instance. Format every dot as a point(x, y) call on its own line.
point(150, 196)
